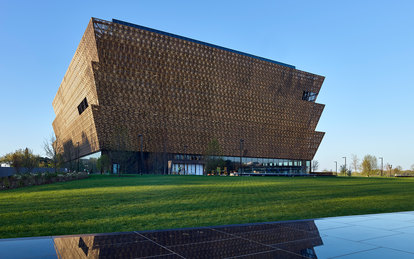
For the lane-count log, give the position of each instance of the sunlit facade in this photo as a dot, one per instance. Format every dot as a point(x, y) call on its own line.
point(153, 101)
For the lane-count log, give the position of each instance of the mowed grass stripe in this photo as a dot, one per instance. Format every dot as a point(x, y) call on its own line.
point(109, 203)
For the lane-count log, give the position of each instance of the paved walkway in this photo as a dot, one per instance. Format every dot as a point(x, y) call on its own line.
point(389, 235)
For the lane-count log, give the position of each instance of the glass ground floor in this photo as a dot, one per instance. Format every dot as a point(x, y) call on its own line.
point(247, 165)
point(188, 164)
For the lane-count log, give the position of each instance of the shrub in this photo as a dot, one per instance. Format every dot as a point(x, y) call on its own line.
point(5, 183)
point(21, 180)
point(38, 179)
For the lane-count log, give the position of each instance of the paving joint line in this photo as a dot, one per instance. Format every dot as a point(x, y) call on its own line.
point(153, 256)
point(253, 241)
point(159, 244)
point(209, 241)
point(338, 256)
point(238, 256)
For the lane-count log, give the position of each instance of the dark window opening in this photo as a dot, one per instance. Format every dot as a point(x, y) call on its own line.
point(82, 106)
point(309, 96)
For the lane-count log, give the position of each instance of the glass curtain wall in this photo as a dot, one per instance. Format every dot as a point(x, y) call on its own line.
point(257, 165)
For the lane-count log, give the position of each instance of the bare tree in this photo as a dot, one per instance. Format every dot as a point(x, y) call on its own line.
point(54, 149)
point(355, 162)
point(315, 165)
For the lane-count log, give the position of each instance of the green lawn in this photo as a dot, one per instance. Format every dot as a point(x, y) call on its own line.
point(109, 204)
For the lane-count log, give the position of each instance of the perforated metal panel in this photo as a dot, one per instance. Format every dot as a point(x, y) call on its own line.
point(177, 92)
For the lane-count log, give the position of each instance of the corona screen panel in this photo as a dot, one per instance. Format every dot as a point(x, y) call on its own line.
point(126, 80)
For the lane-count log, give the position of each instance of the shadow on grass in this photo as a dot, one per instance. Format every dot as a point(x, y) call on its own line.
point(105, 203)
point(98, 181)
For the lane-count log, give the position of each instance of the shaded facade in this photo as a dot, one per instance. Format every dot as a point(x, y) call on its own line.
point(127, 82)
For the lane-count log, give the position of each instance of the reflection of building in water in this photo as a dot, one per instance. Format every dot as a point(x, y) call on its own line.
point(76, 247)
point(302, 245)
point(101, 246)
point(125, 245)
point(295, 237)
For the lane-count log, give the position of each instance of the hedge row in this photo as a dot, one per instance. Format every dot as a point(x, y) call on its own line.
point(22, 180)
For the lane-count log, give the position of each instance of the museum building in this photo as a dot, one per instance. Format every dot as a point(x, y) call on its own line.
point(153, 102)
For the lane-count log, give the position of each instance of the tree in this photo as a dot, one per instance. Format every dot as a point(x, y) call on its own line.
point(342, 170)
point(412, 167)
point(45, 162)
point(211, 156)
point(30, 160)
point(54, 149)
point(355, 162)
point(369, 164)
point(14, 159)
point(103, 163)
point(5, 159)
point(388, 167)
point(397, 170)
point(315, 165)
point(21, 158)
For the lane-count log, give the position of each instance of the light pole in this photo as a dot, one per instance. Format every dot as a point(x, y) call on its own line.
point(185, 159)
point(142, 155)
point(382, 168)
point(77, 143)
point(336, 167)
point(345, 162)
point(241, 155)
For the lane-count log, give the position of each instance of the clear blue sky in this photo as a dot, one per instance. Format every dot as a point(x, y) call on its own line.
point(365, 49)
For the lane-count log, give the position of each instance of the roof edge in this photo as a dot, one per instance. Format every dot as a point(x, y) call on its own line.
point(199, 42)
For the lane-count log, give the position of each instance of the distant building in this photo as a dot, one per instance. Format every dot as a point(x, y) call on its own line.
point(128, 83)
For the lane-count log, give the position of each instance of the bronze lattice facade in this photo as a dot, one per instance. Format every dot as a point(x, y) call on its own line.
point(180, 94)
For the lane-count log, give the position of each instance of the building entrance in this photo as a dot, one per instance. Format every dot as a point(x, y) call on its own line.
point(187, 169)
